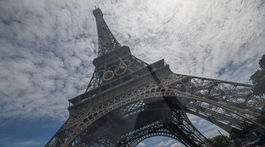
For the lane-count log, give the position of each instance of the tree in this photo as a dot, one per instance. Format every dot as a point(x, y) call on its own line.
point(258, 78)
point(221, 141)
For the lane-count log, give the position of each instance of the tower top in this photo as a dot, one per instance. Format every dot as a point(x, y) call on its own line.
point(106, 41)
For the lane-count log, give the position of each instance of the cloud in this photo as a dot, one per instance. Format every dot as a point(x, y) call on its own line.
point(177, 145)
point(141, 144)
point(27, 143)
point(44, 59)
point(160, 141)
point(164, 143)
point(205, 127)
point(47, 47)
point(212, 131)
point(202, 122)
point(169, 143)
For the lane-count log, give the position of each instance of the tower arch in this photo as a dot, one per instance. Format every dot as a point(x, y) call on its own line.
point(120, 80)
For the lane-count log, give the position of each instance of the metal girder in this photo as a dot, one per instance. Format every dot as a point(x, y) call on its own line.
point(123, 85)
point(84, 115)
point(156, 118)
point(106, 40)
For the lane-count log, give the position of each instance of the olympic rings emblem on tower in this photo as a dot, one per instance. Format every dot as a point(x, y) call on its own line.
point(114, 70)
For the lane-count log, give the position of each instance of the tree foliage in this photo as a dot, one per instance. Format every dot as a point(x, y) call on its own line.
point(258, 78)
point(221, 141)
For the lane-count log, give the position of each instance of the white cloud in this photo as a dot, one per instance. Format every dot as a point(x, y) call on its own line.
point(205, 127)
point(212, 131)
point(26, 143)
point(202, 122)
point(191, 116)
point(141, 144)
point(177, 145)
point(47, 47)
point(164, 143)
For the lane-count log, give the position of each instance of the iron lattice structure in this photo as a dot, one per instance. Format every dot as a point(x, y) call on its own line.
point(128, 100)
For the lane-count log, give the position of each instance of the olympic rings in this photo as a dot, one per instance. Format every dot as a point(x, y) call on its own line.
point(108, 78)
point(116, 71)
point(100, 71)
point(113, 70)
point(113, 67)
point(123, 62)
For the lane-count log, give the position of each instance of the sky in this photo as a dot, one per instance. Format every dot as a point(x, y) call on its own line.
point(47, 48)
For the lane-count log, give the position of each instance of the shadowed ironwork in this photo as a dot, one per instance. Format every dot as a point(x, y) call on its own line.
point(128, 100)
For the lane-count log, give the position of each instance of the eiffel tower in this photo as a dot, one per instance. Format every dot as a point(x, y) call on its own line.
point(128, 100)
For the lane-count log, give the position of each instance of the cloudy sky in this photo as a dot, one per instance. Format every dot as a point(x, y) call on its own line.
point(47, 48)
